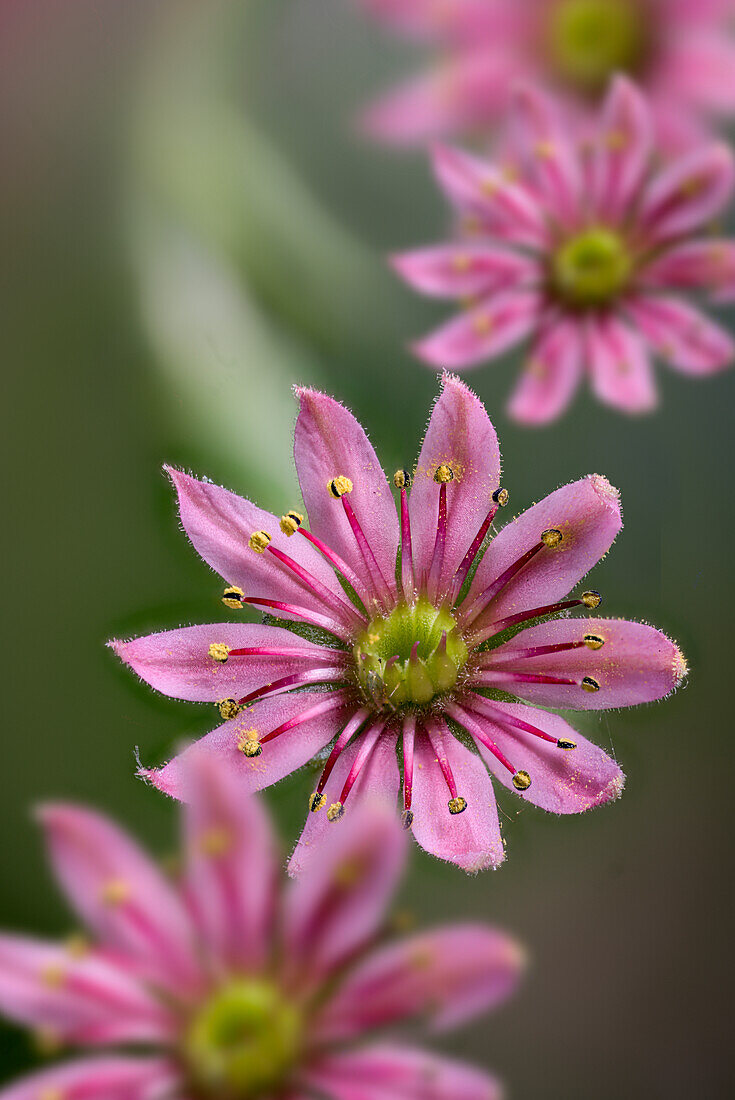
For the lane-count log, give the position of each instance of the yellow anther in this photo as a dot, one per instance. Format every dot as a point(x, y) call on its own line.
point(229, 708)
point(482, 324)
point(259, 541)
point(461, 262)
point(546, 150)
point(407, 819)
point(53, 975)
point(317, 802)
point(51, 1094)
point(401, 479)
point(290, 523)
point(77, 946)
point(564, 743)
point(457, 805)
point(490, 188)
point(47, 1042)
point(219, 651)
point(471, 226)
point(248, 743)
point(232, 597)
point(588, 684)
point(521, 781)
point(215, 842)
point(349, 873)
point(591, 598)
point(617, 140)
point(115, 892)
point(593, 641)
point(537, 369)
point(501, 497)
point(335, 811)
point(444, 473)
point(552, 538)
point(338, 486)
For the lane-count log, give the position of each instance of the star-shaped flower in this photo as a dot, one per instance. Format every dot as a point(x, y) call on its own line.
point(220, 985)
point(429, 660)
point(589, 254)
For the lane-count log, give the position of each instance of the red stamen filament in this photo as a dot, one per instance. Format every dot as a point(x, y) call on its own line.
point(339, 564)
point(303, 614)
point(485, 709)
point(532, 651)
point(521, 617)
point(439, 544)
point(367, 554)
point(346, 735)
point(334, 701)
point(436, 738)
point(348, 612)
point(336, 655)
point(409, 737)
point(475, 729)
point(369, 740)
point(466, 564)
point(408, 577)
point(492, 676)
point(311, 676)
point(480, 604)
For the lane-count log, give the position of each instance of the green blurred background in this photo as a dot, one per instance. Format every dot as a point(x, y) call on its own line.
point(190, 225)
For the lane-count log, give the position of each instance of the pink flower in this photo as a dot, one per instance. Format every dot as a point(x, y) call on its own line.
point(681, 52)
point(584, 254)
point(224, 986)
point(424, 649)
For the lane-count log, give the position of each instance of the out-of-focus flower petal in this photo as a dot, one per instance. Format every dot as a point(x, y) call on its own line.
point(399, 1073)
point(464, 269)
point(621, 370)
point(470, 839)
point(707, 264)
point(120, 894)
point(545, 146)
point(483, 332)
point(230, 868)
point(700, 66)
point(103, 1078)
point(681, 334)
point(337, 906)
point(688, 193)
point(447, 975)
point(623, 149)
point(551, 376)
point(77, 996)
point(178, 662)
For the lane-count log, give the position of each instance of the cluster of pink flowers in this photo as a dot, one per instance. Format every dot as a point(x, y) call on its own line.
point(220, 984)
point(586, 230)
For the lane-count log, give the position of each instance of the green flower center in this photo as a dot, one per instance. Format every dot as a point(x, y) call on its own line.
point(243, 1042)
point(592, 268)
point(590, 40)
point(410, 656)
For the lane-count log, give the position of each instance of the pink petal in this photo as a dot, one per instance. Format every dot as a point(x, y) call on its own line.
point(681, 334)
point(279, 757)
point(459, 434)
point(545, 147)
point(379, 781)
point(219, 524)
point(563, 781)
point(336, 908)
point(636, 663)
point(231, 866)
point(120, 894)
point(484, 332)
point(502, 208)
point(701, 65)
point(330, 443)
point(470, 839)
point(620, 366)
point(551, 376)
point(469, 91)
point(587, 512)
point(399, 1073)
point(177, 662)
point(448, 975)
point(623, 149)
point(464, 269)
point(462, 21)
point(82, 999)
point(708, 264)
point(688, 193)
point(104, 1078)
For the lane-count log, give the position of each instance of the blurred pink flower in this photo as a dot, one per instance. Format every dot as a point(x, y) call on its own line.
point(584, 253)
point(222, 985)
point(426, 647)
point(682, 52)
